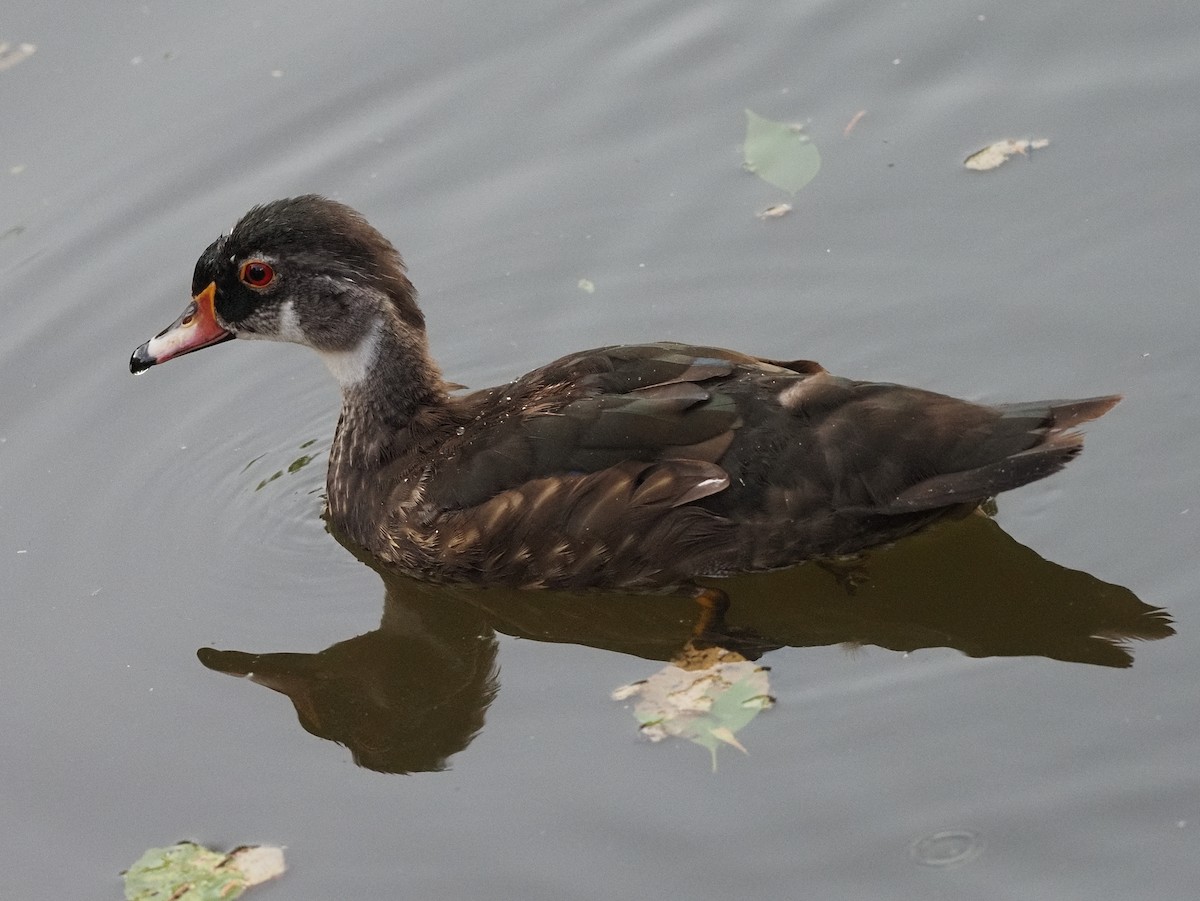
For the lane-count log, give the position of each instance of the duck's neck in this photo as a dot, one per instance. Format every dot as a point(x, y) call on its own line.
point(391, 392)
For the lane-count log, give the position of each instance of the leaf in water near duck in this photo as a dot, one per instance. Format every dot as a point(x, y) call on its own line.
point(780, 153)
point(278, 474)
point(706, 704)
point(998, 153)
point(191, 872)
point(300, 462)
point(295, 466)
point(252, 462)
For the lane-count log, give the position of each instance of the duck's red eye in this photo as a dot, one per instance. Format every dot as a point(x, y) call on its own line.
point(256, 274)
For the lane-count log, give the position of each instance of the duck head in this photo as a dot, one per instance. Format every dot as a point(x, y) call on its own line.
point(306, 270)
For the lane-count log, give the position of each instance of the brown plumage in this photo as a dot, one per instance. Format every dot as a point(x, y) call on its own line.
point(637, 467)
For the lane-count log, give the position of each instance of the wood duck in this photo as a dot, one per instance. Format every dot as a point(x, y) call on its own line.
point(640, 467)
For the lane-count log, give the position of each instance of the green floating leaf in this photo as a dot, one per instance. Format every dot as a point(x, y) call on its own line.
point(190, 872)
point(780, 153)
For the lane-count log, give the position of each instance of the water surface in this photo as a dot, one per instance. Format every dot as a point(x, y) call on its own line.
point(958, 727)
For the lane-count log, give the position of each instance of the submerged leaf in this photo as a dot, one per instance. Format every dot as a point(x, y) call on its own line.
point(191, 872)
point(299, 463)
point(278, 474)
point(779, 153)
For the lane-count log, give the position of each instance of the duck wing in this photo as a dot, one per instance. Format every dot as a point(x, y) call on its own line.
point(664, 404)
point(857, 448)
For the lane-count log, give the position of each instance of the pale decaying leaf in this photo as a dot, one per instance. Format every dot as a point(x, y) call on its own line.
point(774, 211)
point(258, 863)
point(10, 55)
point(191, 872)
point(625, 692)
point(779, 153)
point(587, 286)
point(996, 154)
point(707, 698)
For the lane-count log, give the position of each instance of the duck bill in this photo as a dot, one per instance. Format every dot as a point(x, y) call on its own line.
point(197, 327)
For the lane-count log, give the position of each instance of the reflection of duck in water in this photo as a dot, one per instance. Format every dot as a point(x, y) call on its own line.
point(409, 695)
point(403, 698)
point(638, 467)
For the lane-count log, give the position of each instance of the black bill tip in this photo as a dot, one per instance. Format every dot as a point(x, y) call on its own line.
point(141, 359)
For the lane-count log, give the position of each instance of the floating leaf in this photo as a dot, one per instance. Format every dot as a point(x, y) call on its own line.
point(775, 211)
point(780, 153)
point(190, 872)
point(996, 154)
point(707, 705)
point(10, 56)
point(587, 285)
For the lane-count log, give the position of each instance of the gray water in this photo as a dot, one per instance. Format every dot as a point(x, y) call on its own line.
point(966, 706)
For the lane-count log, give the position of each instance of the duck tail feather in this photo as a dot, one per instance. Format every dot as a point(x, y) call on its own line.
point(977, 485)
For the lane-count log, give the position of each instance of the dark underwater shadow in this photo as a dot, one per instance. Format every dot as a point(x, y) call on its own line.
point(412, 693)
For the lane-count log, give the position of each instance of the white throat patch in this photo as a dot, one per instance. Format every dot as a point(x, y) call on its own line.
point(289, 324)
point(350, 367)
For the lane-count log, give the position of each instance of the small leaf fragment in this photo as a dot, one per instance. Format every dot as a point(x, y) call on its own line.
point(779, 153)
point(10, 56)
point(998, 153)
point(722, 733)
point(625, 692)
point(853, 121)
point(587, 286)
point(258, 863)
point(774, 211)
